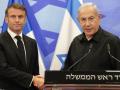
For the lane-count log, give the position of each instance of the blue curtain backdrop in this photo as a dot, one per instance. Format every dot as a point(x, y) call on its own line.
point(47, 22)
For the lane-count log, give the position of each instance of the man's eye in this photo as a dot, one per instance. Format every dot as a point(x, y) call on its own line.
point(20, 16)
point(83, 19)
point(91, 18)
point(12, 16)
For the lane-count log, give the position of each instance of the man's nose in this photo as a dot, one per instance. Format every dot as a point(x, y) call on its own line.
point(17, 19)
point(87, 23)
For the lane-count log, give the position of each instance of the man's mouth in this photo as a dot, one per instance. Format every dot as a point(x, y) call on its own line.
point(88, 30)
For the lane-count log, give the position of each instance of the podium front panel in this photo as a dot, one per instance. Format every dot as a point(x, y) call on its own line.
point(82, 80)
point(81, 87)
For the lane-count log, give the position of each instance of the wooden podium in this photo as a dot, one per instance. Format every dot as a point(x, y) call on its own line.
point(81, 87)
point(82, 80)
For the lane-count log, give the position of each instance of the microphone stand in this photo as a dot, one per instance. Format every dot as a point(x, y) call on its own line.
point(90, 47)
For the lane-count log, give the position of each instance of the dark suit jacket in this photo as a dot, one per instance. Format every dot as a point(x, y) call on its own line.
point(14, 73)
point(98, 58)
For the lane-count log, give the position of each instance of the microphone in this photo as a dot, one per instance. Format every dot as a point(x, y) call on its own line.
point(108, 48)
point(90, 47)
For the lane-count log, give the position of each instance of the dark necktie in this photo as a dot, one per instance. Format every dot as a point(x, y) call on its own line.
point(21, 48)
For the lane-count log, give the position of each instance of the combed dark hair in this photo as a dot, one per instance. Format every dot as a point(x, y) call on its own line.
point(16, 6)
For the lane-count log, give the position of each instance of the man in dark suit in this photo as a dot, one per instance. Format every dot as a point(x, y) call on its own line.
point(95, 48)
point(19, 69)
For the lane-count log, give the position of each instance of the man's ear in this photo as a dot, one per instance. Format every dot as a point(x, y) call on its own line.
point(6, 19)
point(100, 16)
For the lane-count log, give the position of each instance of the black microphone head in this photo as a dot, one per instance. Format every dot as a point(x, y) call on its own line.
point(91, 45)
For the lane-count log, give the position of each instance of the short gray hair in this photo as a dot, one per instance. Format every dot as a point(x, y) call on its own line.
point(88, 4)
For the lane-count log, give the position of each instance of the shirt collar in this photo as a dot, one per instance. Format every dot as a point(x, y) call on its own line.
point(12, 34)
point(98, 35)
point(95, 38)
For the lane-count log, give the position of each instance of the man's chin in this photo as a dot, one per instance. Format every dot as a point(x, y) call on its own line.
point(88, 34)
point(17, 30)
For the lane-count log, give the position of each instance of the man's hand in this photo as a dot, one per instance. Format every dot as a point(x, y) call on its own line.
point(38, 81)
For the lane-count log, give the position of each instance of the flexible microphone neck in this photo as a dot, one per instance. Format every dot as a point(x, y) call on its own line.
point(108, 48)
point(90, 47)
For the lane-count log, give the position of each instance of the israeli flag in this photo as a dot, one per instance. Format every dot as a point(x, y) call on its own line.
point(69, 30)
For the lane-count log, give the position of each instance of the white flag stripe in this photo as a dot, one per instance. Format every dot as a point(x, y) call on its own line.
point(81, 1)
point(69, 30)
point(31, 35)
point(41, 64)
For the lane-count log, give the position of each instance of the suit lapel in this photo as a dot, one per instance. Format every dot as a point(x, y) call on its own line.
point(27, 47)
point(10, 42)
point(13, 48)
